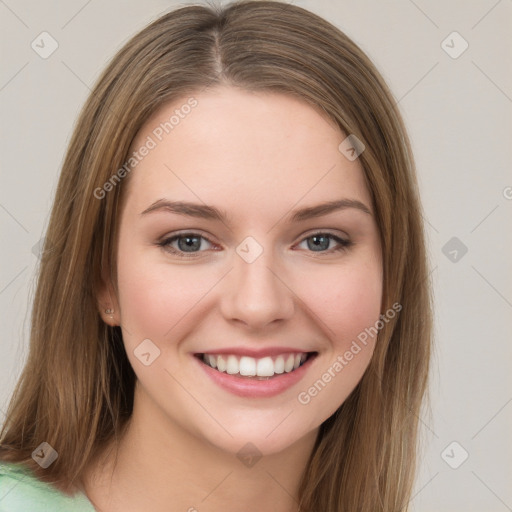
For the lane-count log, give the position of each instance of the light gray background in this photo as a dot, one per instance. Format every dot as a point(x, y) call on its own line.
point(458, 112)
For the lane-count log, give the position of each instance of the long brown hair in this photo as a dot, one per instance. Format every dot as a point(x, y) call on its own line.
point(76, 389)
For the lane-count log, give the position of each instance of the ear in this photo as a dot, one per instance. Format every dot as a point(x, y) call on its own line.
point(108, 304)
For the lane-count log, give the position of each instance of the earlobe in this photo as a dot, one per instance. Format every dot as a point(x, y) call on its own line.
point(110, 320)
point(107, 306)
point(109, 314)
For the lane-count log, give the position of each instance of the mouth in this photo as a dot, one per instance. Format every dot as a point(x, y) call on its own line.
point(253, 368)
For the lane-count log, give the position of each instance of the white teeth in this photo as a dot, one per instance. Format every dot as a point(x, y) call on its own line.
point(288, 365)
point(252, 367)
point(221, 363)
point(232, 366)
point(248, 366)
point(265, 367)
point(279, 365)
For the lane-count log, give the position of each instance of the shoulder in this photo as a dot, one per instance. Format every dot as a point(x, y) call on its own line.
point(20, 491)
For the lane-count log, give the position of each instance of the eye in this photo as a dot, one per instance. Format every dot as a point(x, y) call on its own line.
point(321, 241)
point(188, 244)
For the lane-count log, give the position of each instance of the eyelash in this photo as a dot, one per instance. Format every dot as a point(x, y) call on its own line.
point(166, 243)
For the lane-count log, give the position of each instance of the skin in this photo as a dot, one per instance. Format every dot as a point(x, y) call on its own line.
point(256, 156)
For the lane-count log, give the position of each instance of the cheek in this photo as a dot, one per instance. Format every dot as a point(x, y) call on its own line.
point(349, 308)
point(346, 300)
point(157, 299)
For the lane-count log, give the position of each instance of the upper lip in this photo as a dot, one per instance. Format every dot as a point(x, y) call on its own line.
point(257, 353)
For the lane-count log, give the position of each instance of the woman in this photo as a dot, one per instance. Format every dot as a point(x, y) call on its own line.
point(233, 308)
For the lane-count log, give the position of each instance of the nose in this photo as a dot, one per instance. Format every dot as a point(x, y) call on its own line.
point(255, 294)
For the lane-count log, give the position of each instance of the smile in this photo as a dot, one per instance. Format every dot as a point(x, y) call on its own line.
point(256, 377)
point(245, 366)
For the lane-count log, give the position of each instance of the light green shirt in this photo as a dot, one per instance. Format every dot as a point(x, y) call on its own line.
point(20, 491)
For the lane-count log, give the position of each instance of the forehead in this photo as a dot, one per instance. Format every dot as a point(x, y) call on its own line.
point(231, 146)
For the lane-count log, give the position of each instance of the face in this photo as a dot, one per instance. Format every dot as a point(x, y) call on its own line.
point(227, 260)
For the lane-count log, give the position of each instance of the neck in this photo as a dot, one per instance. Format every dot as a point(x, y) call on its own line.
point(160, 467)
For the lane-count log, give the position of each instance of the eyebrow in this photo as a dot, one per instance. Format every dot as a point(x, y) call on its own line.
point(211, 213)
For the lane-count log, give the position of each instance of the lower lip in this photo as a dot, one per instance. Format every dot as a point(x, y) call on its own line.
point(254, 388)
